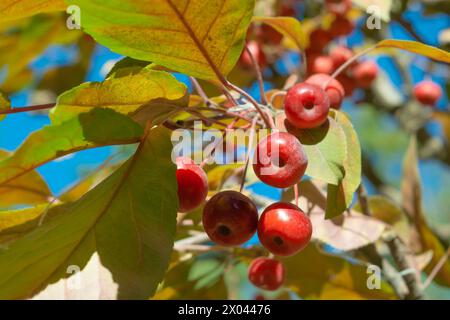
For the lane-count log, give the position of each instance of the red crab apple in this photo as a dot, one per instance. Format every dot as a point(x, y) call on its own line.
point(280, 160)
point(306, 105)
point(318, 40)
point(284, 229)
point(365, 73)
point(334, 90)
point(266, 273)
point(348, 83)
point(192, 184)
point(338, 7)
point(341, 26)
point(257, 52)
point(427, 92)
point(340, 55)
point(321, 64)
point(230, 218)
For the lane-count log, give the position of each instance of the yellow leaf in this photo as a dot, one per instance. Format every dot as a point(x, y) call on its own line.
point(4, 104)
point(17, 9)
point(200, 38)
point(287, 26)
point(416, 47)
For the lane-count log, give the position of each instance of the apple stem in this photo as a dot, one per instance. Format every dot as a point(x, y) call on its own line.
point(259, 76)
point(296, 194)
point(249, 153)
point(346, 64)
point(253, 102)
point(27, 109)
point(201, 92)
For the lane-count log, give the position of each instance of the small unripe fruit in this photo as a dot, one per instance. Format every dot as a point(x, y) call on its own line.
point(280, 160)
point(340, 55)
point(257, 52)
point(284, 229)
point(266, 273)
point(334, 90)
point(306, 105)
point(192, 184)
point(365, 73)
point(427, 92)
point(230, 218)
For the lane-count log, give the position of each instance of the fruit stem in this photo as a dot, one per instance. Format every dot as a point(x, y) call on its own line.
point(296, 194)
point(27, 109)
point(346, 64)
point(201, 92)
point(253, 102)
point(259, 76)
point(247, 157)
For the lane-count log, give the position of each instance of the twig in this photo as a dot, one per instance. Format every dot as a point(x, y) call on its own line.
point(250, 144)
point(436, 269)
point(201, 92)
point(259, 76)
point(27, 109)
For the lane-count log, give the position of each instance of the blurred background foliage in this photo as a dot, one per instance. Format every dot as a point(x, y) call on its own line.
point(40, 58)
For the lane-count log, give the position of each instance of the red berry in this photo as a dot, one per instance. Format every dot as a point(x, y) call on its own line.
point(427, 92)
point(318, 40)
point(257, 52)
point(340, 55)
point(348, 83)
point(192, 184)
point(321, 64)
point(341, 26)
point(230, 218)
point(334, 90)
point(338, 7)
point(271, 35)
point(306, 105)
point(280, 160)
point(266, 273)
point(284, 229)
point(365, 73)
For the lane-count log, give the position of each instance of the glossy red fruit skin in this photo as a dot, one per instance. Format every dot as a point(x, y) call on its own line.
point(338, 7)
point(256, 49)
point(340, 55)
point(365, 73)
point(230, 218)
point(284, 229)
point(266, 273)
point(427, 92)
point(192, 184)
point(321, 64)
point(334, 90)
point(284, 169)
point(306, 105)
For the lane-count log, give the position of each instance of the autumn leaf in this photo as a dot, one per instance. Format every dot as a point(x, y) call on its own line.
point(126, 94)
point(416, 47)
point(203, 39)
point(128, 220)
point(287, 26)
point(99, 127)
point(28, 189)
point(4, 105)
point(17, 9)
point(412, 204)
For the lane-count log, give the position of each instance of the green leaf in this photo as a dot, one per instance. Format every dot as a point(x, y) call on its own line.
point(125, 94)
point(325, 147)
point(127, 63)
point(340, 197)
point(99, 127)
point(4, 105)
point(128, 220)
point(28, 189)
point(313, 275)
point(201, 38)
point(416, 47)
point(287, 26)
point(17, 9)
point(412, 204)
